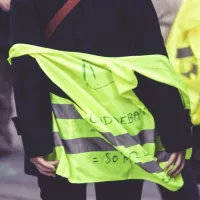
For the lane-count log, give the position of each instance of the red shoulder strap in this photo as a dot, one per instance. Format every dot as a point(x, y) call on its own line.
point(59, 17)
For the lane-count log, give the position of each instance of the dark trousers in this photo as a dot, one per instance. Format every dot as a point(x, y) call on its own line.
point(5, 104)
point(60, 189)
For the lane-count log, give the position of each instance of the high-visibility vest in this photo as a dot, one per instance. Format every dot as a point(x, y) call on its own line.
point(183, 46)
point(105, 133)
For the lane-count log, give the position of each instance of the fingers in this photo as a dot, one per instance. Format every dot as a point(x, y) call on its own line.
point(45, 167)
point(5, 5)
point(179, 170)
point(46, 173)
point(178, 167)
point(49, 167)
point(44, 164)
point(171, 160)
point(177, 162)
point(54, 163)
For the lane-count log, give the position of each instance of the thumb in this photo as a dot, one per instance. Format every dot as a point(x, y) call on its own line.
point(37, 159)
point(54, 163)
point(171, 160)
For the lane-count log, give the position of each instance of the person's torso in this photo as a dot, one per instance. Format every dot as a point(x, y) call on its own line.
point(93, 26)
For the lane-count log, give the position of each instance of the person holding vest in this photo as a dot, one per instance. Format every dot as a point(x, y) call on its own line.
point(96, 97)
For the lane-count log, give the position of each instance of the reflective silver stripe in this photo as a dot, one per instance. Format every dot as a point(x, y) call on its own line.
point(194, 71)
point(82, 145)
point(65, 111)
point(151, 167)
point(58, 142)
point(184, 52)
point(146, 136)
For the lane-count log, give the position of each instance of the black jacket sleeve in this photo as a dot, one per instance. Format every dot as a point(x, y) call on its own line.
point(172, 121)
point(30, 87)
point(4, 32)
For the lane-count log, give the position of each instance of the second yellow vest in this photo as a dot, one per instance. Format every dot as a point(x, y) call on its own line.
point(183, 46)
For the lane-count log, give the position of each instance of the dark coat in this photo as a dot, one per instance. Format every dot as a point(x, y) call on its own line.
point(101, 27)
point(4, 32)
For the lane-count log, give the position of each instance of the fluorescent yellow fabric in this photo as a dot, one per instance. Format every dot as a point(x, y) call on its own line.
point(105, 133)
point(185, 36)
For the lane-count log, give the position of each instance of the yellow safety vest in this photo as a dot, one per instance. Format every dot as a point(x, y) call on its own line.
point(183, 46)
point(105, 133)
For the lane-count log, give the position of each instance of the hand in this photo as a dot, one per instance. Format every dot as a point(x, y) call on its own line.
point(5, 5)
point(45, 167)
point(177, 162)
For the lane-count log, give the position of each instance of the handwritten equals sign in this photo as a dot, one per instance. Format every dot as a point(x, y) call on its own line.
point(95, 160)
